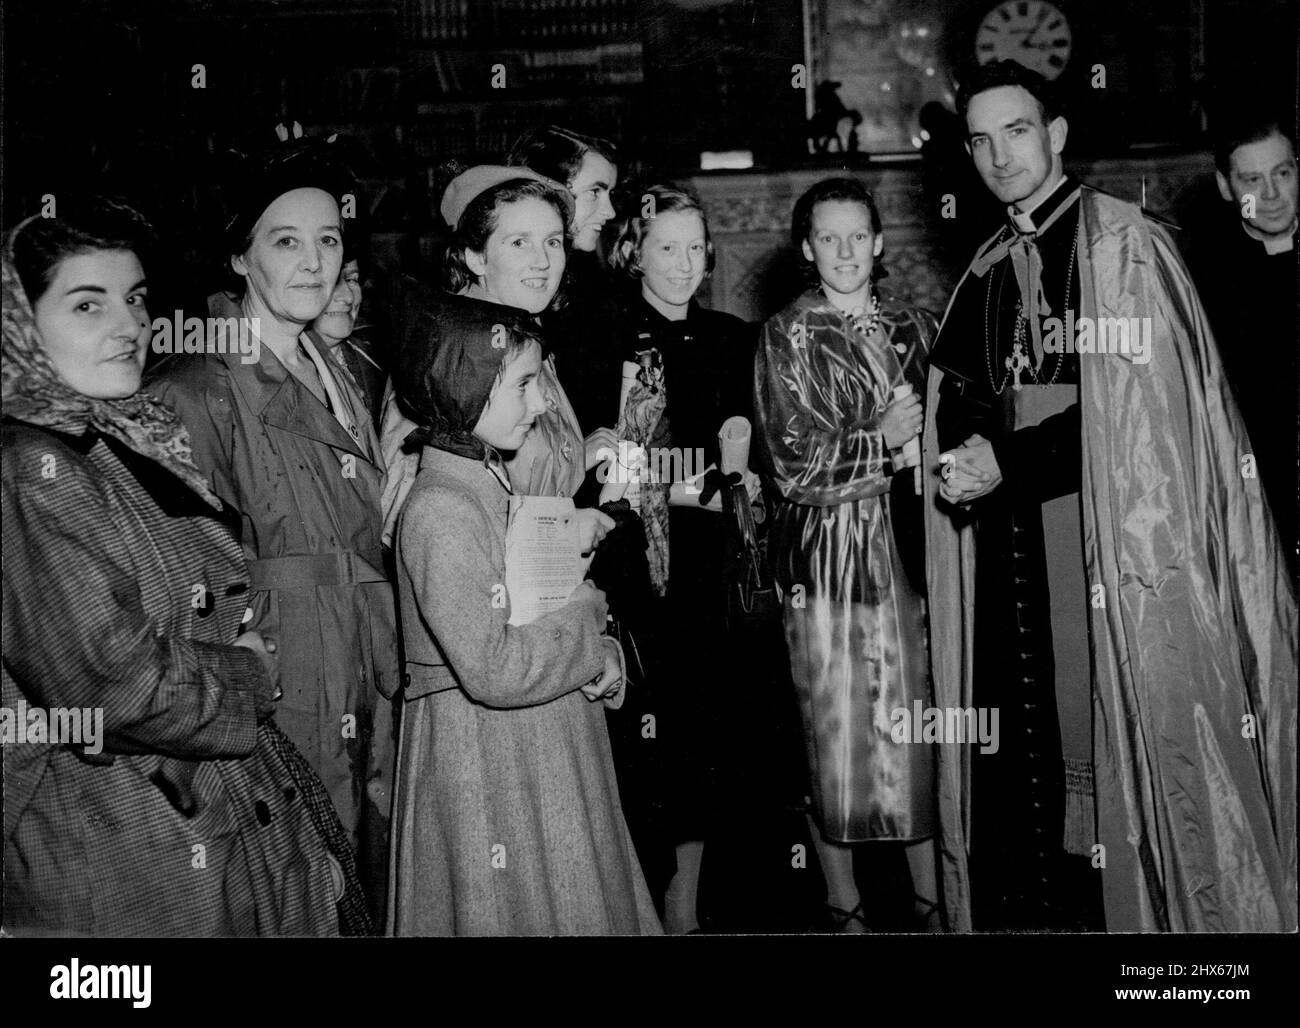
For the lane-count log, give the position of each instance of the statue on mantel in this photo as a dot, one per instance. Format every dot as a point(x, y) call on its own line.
point(828, 113)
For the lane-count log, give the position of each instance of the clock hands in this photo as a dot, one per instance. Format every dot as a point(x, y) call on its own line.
point(1042, 17)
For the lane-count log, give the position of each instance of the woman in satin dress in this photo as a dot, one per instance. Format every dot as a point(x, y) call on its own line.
point(837, 455)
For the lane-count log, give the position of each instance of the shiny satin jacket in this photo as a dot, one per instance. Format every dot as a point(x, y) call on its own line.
point(821, 387)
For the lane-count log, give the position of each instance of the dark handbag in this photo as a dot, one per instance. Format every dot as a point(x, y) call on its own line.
point(753, 599)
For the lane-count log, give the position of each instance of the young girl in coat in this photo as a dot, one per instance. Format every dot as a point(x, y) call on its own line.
point(507, 817)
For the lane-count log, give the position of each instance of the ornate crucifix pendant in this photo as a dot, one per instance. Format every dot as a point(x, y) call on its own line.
point(1016, 363)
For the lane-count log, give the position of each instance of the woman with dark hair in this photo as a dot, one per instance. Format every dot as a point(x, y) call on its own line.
point(839, 452)
point(288, 442)
point(587, 166)
point(692, 369)
point(176, 807)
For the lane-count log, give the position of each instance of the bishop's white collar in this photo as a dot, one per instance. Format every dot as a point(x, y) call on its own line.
point(1024, 220)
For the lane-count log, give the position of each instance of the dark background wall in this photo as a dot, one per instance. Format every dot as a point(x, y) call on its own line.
point(101, 93)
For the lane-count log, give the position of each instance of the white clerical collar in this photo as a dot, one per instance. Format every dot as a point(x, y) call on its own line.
point(1282, 243)
point(1024, 220)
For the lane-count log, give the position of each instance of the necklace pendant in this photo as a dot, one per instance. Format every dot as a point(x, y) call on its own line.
point(1016, 363)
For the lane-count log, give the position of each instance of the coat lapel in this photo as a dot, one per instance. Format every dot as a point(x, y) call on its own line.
point(282, 402)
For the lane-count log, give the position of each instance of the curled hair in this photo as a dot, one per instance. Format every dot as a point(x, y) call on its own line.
point(1010, 73)
point(558, 152)
point(81, 227)
point(846, 190)
point(625, 254)
point(480, 220)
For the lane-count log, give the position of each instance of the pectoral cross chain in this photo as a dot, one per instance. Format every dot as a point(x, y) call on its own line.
point(1016, 363)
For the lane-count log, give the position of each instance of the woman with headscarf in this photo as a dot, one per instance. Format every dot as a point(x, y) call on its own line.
point(507, 819)
point(286, 440)
point(180, 810)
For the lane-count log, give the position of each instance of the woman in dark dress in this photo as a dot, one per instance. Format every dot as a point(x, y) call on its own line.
point(693, 369)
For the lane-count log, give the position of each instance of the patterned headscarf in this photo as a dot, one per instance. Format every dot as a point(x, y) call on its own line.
point(31, 390)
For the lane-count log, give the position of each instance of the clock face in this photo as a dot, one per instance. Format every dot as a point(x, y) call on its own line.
point(1031, 32)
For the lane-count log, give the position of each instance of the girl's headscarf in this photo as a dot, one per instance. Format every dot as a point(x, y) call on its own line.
point(32, 391)
point(447, 366)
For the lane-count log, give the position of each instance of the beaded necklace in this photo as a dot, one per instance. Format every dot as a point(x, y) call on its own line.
point(864, 319)
point(1018, 361)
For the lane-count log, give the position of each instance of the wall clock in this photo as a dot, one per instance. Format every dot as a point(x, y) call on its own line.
point(1032, 32)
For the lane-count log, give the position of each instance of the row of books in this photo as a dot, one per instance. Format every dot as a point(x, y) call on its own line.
point(357, 93)
point(468, 21)
point(486, 132)
point(475, 73)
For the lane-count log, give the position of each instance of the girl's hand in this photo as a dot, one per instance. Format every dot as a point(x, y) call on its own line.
point(592, 526)
point(902, 421)
point(607, 686)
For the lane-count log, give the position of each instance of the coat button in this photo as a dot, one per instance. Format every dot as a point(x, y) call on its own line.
point(406, 678)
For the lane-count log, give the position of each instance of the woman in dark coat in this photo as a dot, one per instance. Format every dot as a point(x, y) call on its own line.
point(183, 810)
point(288, 442)
point(695, 366)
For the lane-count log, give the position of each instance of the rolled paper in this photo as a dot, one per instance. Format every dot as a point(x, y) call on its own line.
point(733, 439)
point(616, 482)
point(911, 448)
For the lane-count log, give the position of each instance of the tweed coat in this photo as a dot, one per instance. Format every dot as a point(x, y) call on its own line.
point(304, 488)
point(123, 592)
point(507, 818)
